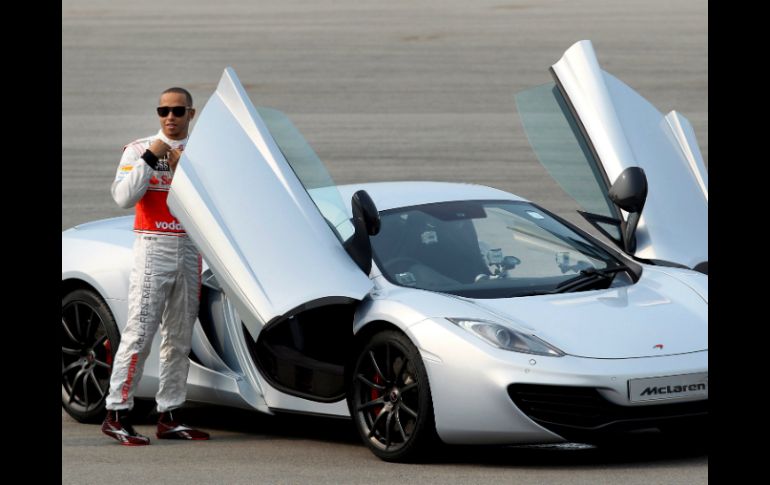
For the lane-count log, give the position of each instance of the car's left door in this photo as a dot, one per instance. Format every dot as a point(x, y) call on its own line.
point(241, 193)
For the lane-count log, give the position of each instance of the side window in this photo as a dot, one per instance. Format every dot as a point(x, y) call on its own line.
point(563, 151)
point(310, 170)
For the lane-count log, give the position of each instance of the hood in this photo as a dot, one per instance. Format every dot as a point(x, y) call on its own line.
point(661, 309)
point(659, 315)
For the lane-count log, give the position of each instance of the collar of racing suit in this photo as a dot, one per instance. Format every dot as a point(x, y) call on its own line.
point(172, 143)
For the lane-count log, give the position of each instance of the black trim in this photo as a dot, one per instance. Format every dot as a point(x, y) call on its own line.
point(596, 219)
point(580, 413)
point(295, 412)
point(325, 301)
point(151, 159)
point(663, 262)
point(702, 267)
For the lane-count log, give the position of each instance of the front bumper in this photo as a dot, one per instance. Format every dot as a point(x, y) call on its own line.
point(470, 382)
point(583, 414)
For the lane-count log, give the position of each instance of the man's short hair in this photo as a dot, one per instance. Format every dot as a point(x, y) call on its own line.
point(180, 91)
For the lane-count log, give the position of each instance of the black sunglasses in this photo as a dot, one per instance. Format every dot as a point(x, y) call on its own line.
point(163, 111)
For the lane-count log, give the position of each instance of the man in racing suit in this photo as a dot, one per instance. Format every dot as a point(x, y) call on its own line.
point(164, 286)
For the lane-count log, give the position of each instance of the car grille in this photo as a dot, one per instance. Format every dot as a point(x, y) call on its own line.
point(577, 411)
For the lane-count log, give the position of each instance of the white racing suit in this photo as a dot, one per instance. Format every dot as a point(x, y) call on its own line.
point(164, 287)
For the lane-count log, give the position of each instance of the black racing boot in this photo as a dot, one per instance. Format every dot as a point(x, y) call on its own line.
point(116, 426)
point(170, 429)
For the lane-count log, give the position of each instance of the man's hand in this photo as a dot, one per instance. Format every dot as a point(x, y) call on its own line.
point(159, 148)
point(173, 157)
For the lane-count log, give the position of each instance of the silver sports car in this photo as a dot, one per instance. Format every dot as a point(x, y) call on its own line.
point(429, 311)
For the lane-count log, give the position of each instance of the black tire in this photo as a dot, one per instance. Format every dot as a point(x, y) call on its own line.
point(390, 401)
point(90, 339)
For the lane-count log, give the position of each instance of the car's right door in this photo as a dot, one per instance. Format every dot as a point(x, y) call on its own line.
point(588, 127)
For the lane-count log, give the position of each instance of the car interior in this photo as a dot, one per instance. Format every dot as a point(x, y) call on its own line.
point(447, 248)
point(305, 355)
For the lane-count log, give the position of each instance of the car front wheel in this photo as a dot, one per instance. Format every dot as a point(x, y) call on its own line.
point(390, 400)
point(89, 338)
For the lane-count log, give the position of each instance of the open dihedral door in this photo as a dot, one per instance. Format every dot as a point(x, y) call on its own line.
point(248, 210)
point(588, 127)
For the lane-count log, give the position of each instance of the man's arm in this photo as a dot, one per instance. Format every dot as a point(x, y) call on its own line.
point(134, 173)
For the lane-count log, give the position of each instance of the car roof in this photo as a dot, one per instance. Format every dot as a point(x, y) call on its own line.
point(391, 195)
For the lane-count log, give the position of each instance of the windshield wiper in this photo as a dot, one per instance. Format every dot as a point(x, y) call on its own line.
point(586, 277)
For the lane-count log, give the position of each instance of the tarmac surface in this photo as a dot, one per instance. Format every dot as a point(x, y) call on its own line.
point(396, 90)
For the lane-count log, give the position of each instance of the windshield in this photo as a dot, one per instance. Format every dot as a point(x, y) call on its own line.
point(483, 249)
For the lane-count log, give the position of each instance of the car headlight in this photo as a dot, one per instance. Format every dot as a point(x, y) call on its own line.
point(506, 338)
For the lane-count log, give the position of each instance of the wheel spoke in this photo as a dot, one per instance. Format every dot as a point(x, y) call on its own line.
point(96, 384)
point(73, 365)
point(69, 332)
point(387, 429)
point(77, 321)
point(374, 424)
point(377, 367)
point(408, 410)
point(399, 427)
point(402, 369)
point(74, 383)
point(85, 391)
point(370, 383)
point(70, 351)
point(102, 364)
point(88, 325)
point(376, 402)
point(408, 387)
point(387, 358)
point(99, 342)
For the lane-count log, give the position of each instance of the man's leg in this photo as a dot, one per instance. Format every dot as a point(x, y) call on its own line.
point(176, 330)
point(148, 284)
point(176, 338)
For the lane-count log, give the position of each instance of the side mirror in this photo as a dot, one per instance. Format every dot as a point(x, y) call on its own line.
point(366, 222)
point(364, 209)
point(629, 192)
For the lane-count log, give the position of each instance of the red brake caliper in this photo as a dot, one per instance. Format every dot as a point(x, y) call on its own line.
point(108, 347)
point(375, 393)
